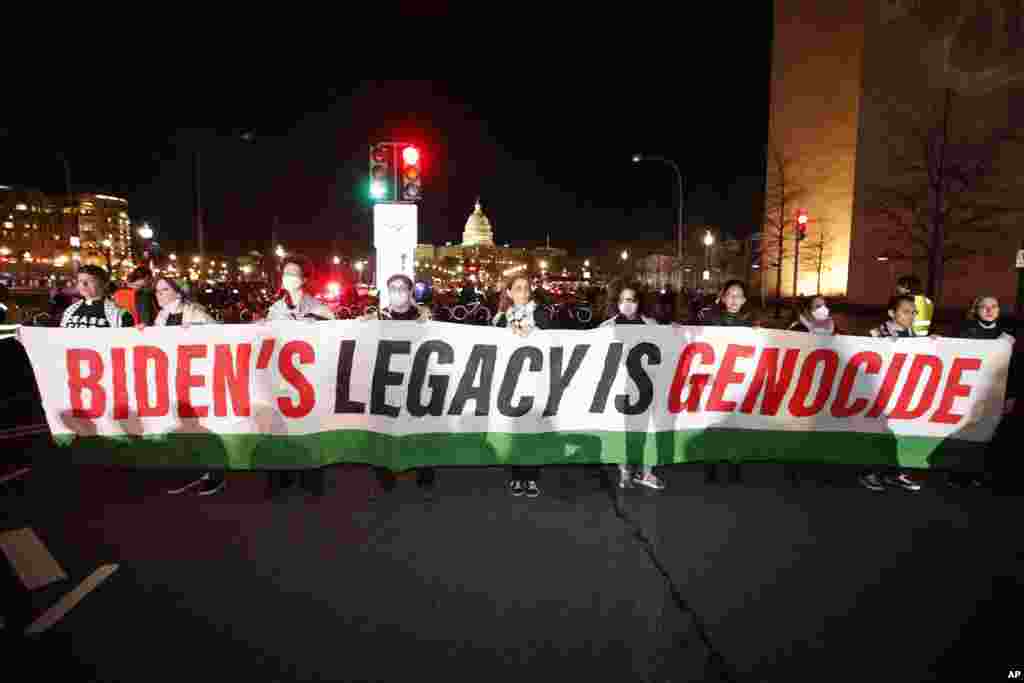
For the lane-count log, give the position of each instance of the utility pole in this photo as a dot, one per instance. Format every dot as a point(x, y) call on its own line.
point(198, 203)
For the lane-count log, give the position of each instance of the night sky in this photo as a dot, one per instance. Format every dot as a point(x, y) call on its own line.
point(547, 145)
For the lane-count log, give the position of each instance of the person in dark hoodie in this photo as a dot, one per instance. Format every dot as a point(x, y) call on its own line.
point(630, 313)
point(984, 322)
point(729, 310)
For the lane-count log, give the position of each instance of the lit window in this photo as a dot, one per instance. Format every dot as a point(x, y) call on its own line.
point(8, 224)
point(21, 207)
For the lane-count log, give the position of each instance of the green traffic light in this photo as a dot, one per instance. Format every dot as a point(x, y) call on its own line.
point(378, 189)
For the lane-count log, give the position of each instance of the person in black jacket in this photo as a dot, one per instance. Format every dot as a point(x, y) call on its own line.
point(520, 313)
point(983, 322)
point(729, 310)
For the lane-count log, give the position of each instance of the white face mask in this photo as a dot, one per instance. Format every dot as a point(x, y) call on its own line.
point(291, 283)
point(628, 309)
point(400, 299)
point(820, 313)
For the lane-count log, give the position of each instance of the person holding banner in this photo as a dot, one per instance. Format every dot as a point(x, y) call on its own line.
point(296, 303)
point(729, 311)
point(177, 311)
point(814, 317)
point(984, 322)
point(902, 311)
point(95, 309)
point(401, 306)
point(519, 312)
point(629, 313)
point(910, 285)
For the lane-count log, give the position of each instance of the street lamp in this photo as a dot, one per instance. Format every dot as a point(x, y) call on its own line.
point(586, 264)
point(625, 255)
point(174, 257)
point(196, 259)
point(680, 236)
point(709, 240)
point(337, 260)
point(146, 232)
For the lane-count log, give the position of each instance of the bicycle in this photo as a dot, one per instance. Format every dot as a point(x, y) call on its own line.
point(476, 312)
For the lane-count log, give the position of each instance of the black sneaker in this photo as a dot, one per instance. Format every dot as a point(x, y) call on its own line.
point(710, 474)
point(734, 473)
point(872, 482)
point(211, 484)
point(425, 477)
point(902, 481)
point(516, 488)
point(532, 490)
point(386, 479)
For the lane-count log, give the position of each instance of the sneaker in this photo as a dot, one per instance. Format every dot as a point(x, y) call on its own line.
point(532, 490)
point(425, 477)
point(872, 481)
point(515, 487)
point(902, 481)
point(710, 474)
point(211, 485)
point(189, 486)
point(649, 480)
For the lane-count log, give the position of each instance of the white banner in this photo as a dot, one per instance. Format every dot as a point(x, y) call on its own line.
point(403, 378)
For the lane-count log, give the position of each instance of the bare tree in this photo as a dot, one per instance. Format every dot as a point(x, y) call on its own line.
point(782, 194)
point(946, 197)
point(817, 250)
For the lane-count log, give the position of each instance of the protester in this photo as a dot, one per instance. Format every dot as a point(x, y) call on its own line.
point(984, 322)
point(296, 303)
point(401, 306)
point(910, 285)
point(729, 310)
point(520, 313)
point(176, 308)
point(177, 311)
point(95, 309)
point(630, 313)
point(137, 296)
point(902, 311)
point(814, 317)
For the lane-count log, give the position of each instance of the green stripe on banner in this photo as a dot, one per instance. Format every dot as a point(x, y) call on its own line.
point(259, 451)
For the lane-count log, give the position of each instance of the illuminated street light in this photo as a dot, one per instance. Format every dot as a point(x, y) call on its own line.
point(281, 253)
point(625, 255)
point(174, 257)
point(196, 259)
point(586, 264)
point(107, 243)
point(708, 239)
point(337, 260)
point(146, 232)
point(543, 265)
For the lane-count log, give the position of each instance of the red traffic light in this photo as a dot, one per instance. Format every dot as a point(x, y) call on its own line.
point(802, 217)
point(411, 156)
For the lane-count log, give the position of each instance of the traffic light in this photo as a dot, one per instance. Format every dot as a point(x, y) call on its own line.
point(412, 176)
point(801, 225)
point(382, 171)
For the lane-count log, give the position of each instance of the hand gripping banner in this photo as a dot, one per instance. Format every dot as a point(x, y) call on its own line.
point(404, 394)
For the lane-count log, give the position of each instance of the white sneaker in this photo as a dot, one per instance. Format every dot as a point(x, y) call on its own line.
point(649, 480)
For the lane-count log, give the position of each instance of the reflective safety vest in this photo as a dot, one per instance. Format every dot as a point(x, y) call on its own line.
point(923, 319)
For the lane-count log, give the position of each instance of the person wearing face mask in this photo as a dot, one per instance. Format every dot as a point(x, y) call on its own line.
point(95, 309)
point(294, 302)
point(984, 322)
point(401, 306)
point(814, 317)
point(729, 311)
point(629, 313)
point(176, 310)
point(519, 312)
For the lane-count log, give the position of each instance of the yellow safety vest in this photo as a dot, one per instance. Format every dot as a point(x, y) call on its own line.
point(923, 319)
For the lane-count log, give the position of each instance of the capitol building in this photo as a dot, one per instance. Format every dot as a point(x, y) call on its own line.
point(479, 254)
